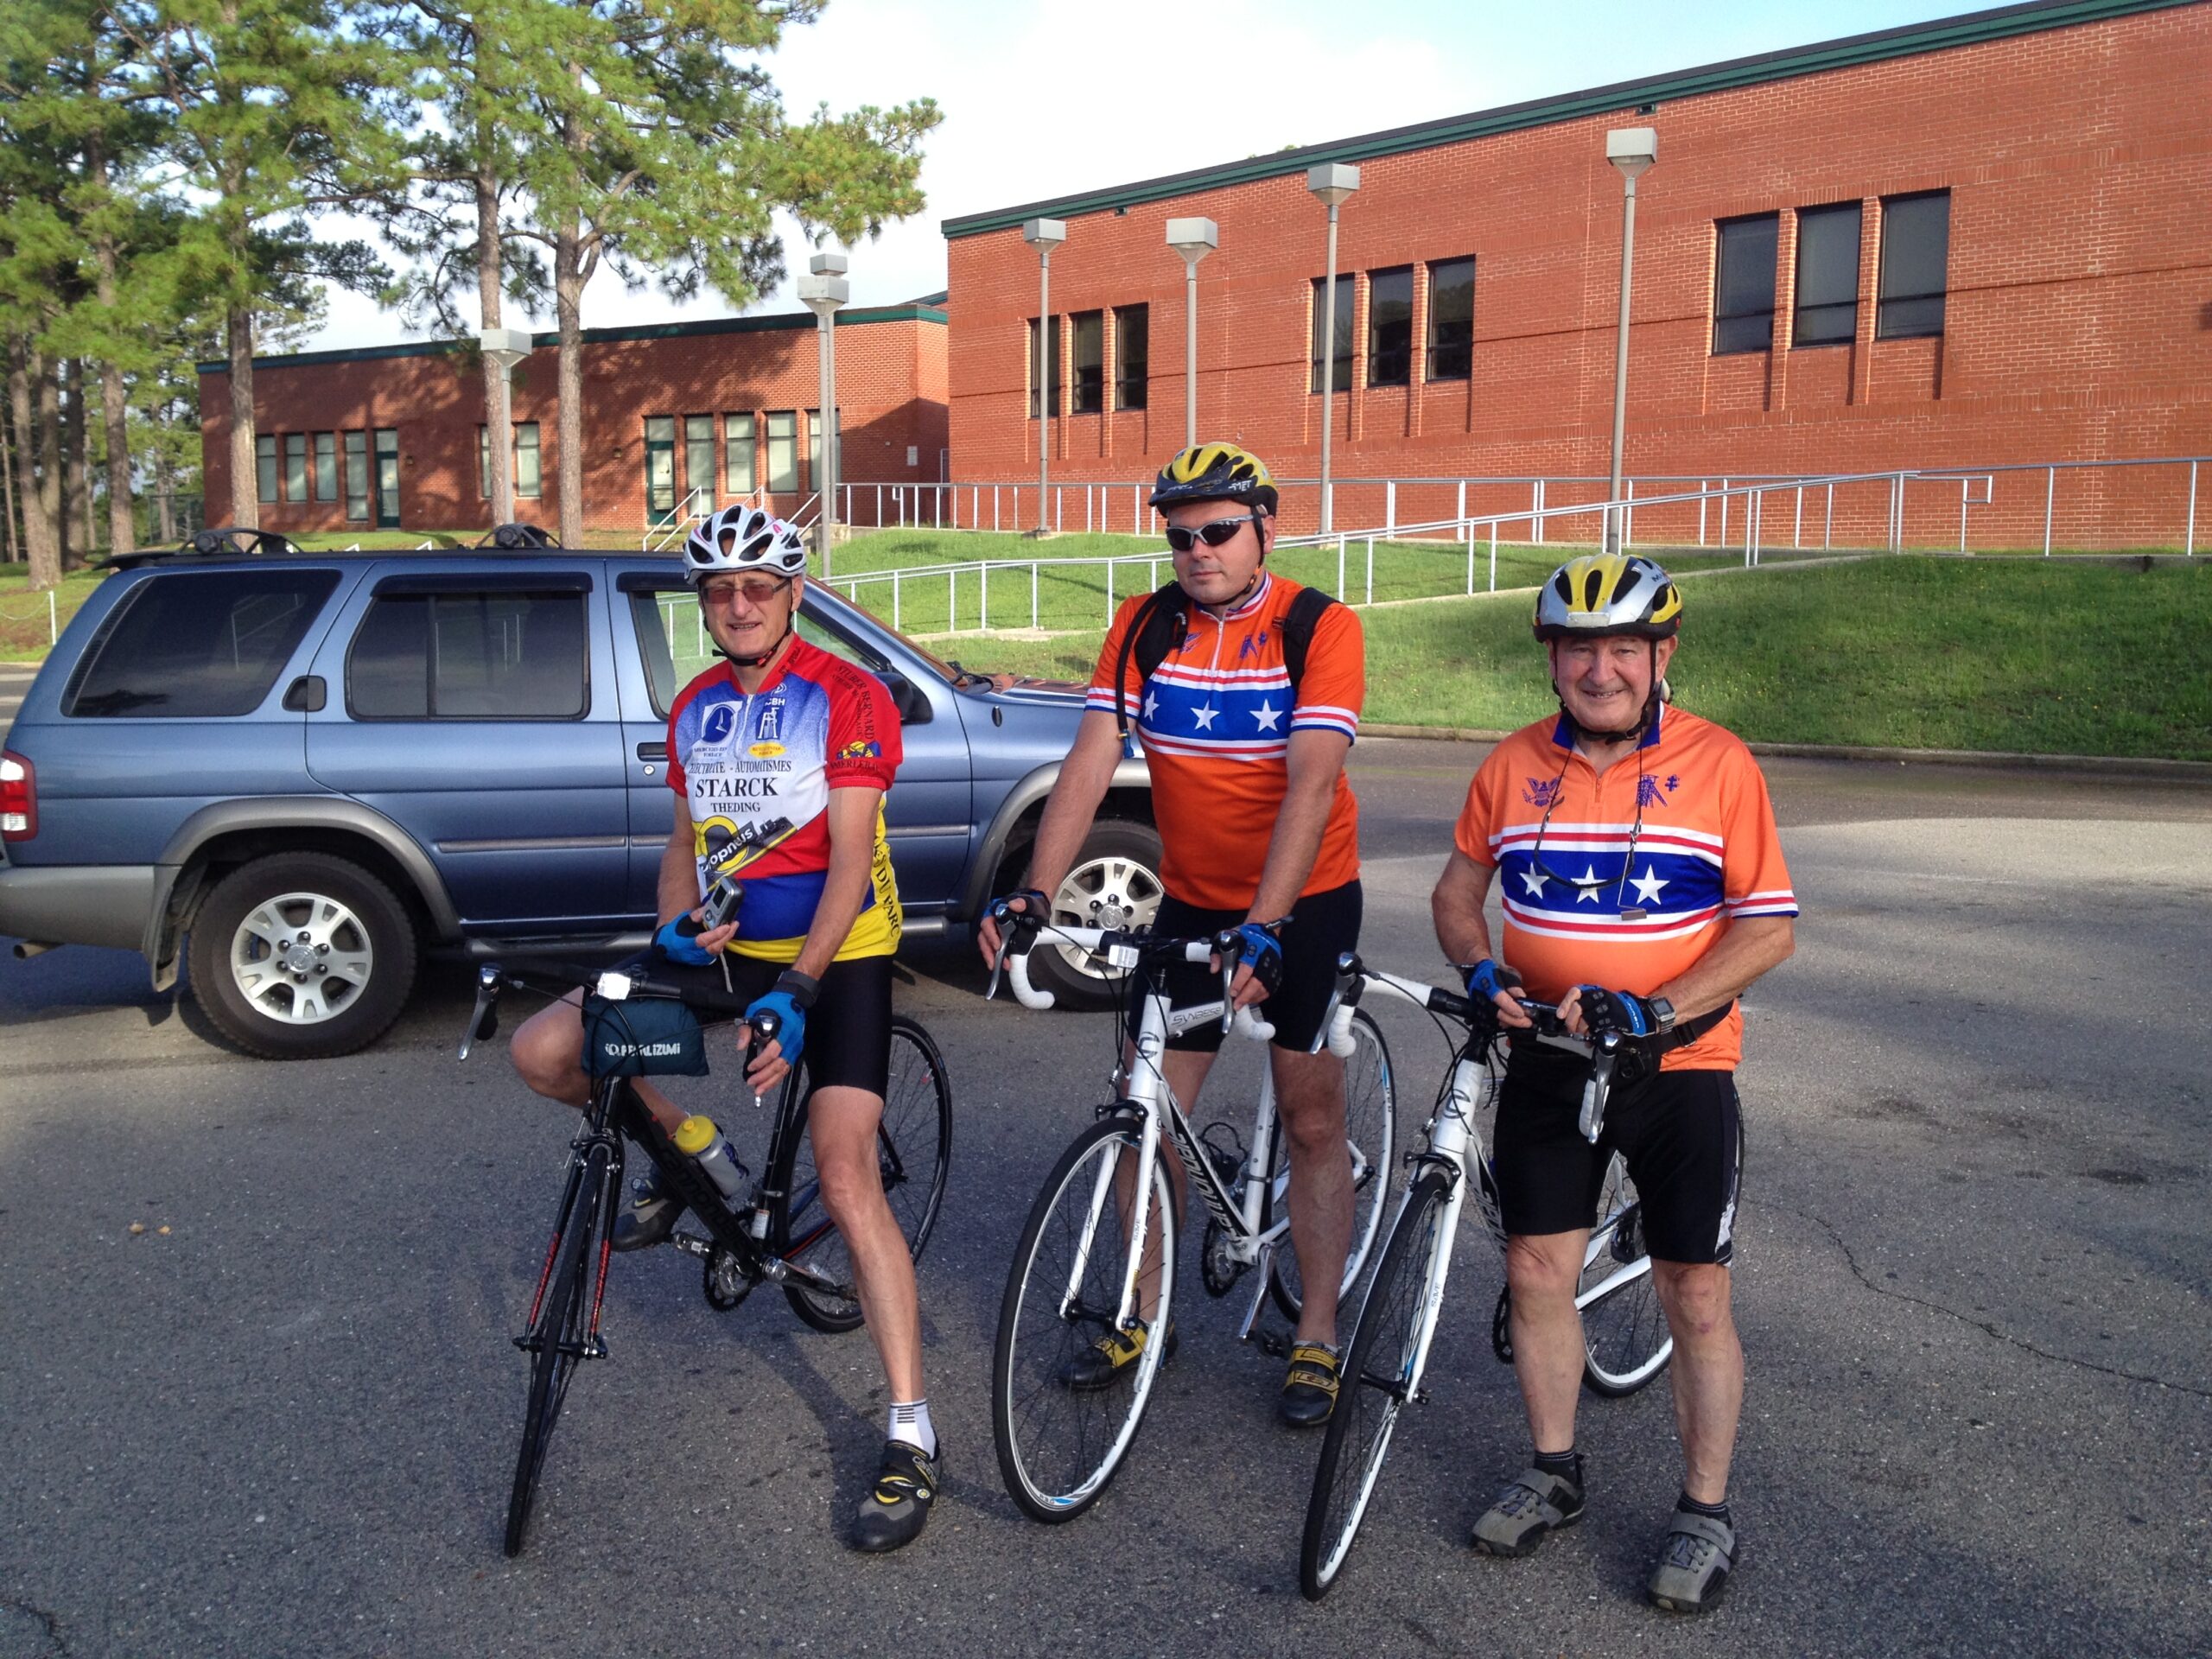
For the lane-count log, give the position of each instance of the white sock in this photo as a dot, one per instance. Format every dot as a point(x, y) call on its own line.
point(910, 1421)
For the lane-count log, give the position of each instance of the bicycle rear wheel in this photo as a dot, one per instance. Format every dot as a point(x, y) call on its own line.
point(1625, 1336)
point(1058, 1443)
point(1371, 1128)
point(913, 1147)
point(568, 1298)
point(1389, 1349)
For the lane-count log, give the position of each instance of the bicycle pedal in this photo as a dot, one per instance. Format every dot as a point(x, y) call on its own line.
point(692, 1244)
point(1270, 1344)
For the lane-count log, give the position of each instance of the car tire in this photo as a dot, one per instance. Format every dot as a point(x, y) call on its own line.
point(301, 956)
point(1114, 882)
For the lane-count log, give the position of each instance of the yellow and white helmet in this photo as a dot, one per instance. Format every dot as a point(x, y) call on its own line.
point(1602, 593)
point(1215, 472)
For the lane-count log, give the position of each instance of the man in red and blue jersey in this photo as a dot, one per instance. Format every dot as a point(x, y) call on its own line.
point(1245, 717)
point(779, 758)
point(1643, 891)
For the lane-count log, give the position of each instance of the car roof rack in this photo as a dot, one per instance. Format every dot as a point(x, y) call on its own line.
point(235, 542)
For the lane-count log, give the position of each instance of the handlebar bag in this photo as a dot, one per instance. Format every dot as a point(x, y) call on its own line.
point(642, 1037)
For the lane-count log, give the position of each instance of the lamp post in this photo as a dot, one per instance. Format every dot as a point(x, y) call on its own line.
point(1631, 150)
point(823, 290)
point(1045, 235)
point(502, 348)
point(1193, 238)
point(1331, 183)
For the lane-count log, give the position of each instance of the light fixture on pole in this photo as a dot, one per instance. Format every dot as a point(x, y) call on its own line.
point(1331, 183)
point(1045, 235)
point(1193, 238)
point(1631, 150)
point(502, 348)
point(823, 290)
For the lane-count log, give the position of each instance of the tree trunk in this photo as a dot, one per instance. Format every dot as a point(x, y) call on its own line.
point(122, 527)
point(41, 497)
point(499, 416)
point(245, 495)
point(568, 309)
point(164, 496)
point(74, 540)
point(15, 550)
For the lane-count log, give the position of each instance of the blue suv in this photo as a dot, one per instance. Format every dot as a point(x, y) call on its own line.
point(296, 774)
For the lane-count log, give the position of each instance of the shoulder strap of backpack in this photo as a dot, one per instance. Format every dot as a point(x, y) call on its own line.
point(1152, 636)
point(1298, 626)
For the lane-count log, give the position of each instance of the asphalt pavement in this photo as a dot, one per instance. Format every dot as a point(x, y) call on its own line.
point(1973, 1277)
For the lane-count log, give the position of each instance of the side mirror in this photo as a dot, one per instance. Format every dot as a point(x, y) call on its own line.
point(912, 703)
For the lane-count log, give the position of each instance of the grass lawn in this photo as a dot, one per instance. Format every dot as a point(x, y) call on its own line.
point(1909, 652)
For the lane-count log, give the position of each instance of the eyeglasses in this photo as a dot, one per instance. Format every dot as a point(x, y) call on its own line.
point(1593, 883)
point(1183, 538)
point(759, 591)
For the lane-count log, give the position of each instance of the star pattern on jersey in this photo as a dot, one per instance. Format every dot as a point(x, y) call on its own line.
point(1648, 885)
point(1533, 882)
point(1268, 715)
point(1151, 704)
point(1588, 885)
point(1204, 716)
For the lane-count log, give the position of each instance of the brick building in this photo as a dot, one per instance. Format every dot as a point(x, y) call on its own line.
point(393, 435)
point(1973, 241)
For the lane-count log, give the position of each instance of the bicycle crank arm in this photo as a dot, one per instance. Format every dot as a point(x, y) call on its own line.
point(594, 1349)
point(1263, 1260)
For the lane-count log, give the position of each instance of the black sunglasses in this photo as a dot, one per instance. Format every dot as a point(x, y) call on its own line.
point(1182, 538)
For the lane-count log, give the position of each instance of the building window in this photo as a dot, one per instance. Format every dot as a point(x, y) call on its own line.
point(1827, 276)
point(357, 477)
point(699, 459)
point(737, 455)
point(1088, 356)
point(325, 466)
point(1036, 377)
point(1916, 251)
point(814, 445)
point(1451, 319)
point(660, 467)
point(264, 468)
point(1743, 293)
point(783, 451)
point(1341, 374)
point(1132, 355)
point(484, 462)
point(1391, 327)
point(295, 466)
point(530, 475)
point(388, 476)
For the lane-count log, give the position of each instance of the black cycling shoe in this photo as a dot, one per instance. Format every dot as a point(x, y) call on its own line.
point(1097, 1366)
point(649, 1218)
point(897, 1505)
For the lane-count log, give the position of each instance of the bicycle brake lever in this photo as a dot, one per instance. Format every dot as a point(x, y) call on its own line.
point(1605, 1055)
point(484, 1022)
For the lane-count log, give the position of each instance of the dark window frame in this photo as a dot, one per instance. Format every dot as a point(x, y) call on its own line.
point(1389, 362)
point(1055, 373)
point(1891, 308)
point(358, 482)
point(1087, 383)
point(1346, 357)
point(266, 472)
point(295, 454)
point(1812, 323)
point(746, 442)
point(430, 590)
point(789, 438)
point(1132, 378)
point(1439, 349)
point(312, 588)
point(1727, 342)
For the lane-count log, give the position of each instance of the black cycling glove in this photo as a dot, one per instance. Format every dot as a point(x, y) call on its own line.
point(1621, 1011)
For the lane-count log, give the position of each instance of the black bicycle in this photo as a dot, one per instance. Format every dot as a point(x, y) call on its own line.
point(781, 1233)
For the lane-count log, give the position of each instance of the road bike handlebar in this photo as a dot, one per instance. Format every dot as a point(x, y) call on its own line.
point(1121, 948)
point(555, 979)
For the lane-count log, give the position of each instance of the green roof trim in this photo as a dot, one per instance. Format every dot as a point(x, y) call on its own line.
point(774, 323)
point(1972, 29)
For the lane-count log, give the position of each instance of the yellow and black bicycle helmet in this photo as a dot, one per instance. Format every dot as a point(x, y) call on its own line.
point(1604, 594)
point(1215, 472)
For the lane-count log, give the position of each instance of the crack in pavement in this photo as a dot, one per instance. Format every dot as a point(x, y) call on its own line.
point(48, 1621)
point(1988, 1327)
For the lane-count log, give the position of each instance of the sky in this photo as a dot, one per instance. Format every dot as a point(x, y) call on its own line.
point(1052, 97)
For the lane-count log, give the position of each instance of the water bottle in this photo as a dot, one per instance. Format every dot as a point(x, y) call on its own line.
point(697, 1139)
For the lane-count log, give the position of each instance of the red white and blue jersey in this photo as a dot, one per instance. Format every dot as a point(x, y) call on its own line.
point(1625, 880)
point(1215, 719)
point(755, 772)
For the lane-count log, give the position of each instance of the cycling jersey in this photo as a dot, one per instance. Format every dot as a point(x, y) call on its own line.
point(756, 772)
point(1639, 871)
point(1215, 719)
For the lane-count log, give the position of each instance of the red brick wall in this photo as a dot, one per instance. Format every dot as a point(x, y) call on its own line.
point(890, 385)
point(2079, 319)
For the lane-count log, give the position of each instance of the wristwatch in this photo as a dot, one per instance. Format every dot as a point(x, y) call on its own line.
point(1663, 1011)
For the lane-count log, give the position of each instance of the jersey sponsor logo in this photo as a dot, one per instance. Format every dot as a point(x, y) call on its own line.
point(862, 751)
point(1648, 792)
point(720, 721)
point(765, 751)
point(1541, 792)
point(771, 720)
point(744, 786)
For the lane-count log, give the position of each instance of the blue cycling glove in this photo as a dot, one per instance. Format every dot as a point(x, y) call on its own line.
point(1261, 951)
point(680, 947)
point(793, 1035)
point(1486, 979)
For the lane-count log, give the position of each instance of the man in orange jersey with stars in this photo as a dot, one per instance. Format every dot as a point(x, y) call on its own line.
point(1244, 690)
point(1644, 889)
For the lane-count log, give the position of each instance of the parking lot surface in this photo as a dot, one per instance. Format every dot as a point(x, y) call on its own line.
point(1973, 1278)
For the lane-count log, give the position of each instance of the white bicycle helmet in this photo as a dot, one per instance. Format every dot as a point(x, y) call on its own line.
point(739, 537)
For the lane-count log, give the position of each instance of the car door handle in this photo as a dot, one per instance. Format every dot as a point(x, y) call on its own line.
point(652, 751)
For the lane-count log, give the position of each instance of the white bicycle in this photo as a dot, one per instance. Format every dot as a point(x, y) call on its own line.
point(1625, 1341)
point(1063, 1421)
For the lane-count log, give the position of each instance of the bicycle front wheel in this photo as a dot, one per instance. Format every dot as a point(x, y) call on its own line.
point(1062, 1417)
point(1372, 1129)
point(568, 1296)
point(1389, 1348)
point(1625, 1336)
point(913, 1149)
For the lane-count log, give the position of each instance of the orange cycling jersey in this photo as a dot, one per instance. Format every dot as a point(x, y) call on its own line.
point(1626, 879)
point(1216, 719)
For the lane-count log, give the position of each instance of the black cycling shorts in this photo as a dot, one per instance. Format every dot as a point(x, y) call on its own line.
point(1322, 927)
point(848, 1043)
point(1680, 1133)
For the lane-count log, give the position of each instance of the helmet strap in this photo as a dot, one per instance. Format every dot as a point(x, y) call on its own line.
point(760, 658)
point(1259, 573)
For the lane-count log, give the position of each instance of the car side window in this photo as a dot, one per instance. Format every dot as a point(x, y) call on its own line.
point(502, 655)
point(197, 644)
point(672, 636)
